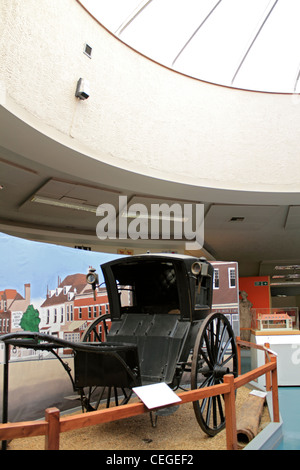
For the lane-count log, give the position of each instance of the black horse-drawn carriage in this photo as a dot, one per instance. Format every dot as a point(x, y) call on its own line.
point(159, 329)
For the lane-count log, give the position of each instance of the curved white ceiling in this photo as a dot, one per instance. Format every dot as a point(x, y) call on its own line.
point(248, 44)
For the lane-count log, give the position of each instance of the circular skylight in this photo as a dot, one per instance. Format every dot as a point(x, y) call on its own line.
point(249, 44)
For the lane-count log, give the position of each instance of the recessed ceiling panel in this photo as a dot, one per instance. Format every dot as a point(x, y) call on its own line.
point(293, 218)
point(65, 202)
point(239, 218)
point(68, 191)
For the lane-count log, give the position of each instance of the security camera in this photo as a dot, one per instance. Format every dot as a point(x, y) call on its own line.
point(83, 89)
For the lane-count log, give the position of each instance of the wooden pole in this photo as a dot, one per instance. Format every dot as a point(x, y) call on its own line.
point(230, 413)
point(52, 435)
point(238, 347)
point(5, 390)
point(275, 400)
point(268, 374)
point(248, 419)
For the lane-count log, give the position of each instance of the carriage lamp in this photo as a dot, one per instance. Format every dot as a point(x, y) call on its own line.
point(196, 268)
point(199, 268)
point(92, 278)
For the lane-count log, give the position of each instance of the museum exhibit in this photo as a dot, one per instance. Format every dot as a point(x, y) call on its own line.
point(149, 223)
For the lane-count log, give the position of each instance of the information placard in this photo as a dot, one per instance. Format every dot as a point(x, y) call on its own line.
point(156, 395)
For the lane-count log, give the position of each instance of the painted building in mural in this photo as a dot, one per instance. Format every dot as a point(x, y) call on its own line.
point(57, 310)
point(12, 307)
point(66, 312)
point(86, 308)
point(70, 308)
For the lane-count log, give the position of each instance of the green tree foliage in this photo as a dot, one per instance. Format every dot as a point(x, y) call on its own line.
point(30, 320)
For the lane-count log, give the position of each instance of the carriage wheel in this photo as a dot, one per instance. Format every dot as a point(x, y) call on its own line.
point(214, 355)
point(97, 332)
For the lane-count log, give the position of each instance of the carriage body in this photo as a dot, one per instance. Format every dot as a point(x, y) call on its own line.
point(158, 303)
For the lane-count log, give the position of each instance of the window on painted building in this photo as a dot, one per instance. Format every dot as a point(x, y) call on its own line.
point(106, 308)
point(7, 325)
point(48, 316)
point(216, 279)
point(95, 311)
point(80, 313)
point(71, 312)
point(61, 315)
point(55, 316)
point(68, 313)
point(231, 277)
point(5, 305)
point(73, 337)
point(90, 312)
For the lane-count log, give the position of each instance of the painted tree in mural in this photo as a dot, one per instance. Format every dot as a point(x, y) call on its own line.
point(30, 320)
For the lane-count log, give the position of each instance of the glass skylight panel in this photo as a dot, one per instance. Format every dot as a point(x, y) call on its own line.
point(162, 29)
point(218, 47)
point(110, 13)
point(273, 62)
point(250, 44)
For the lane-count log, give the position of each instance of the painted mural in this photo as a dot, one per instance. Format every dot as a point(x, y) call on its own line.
point(43, 288)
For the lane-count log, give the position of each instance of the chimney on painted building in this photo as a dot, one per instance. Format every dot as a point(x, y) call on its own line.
point(27, 292)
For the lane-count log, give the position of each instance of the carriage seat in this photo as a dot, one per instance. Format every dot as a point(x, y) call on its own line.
point(160, 339)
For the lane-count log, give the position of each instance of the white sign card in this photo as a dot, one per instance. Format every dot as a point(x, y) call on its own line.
point(258, 393)
point(156, 395)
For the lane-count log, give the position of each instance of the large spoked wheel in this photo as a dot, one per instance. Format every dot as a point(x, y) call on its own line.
point(97, 332)
point(214, 355)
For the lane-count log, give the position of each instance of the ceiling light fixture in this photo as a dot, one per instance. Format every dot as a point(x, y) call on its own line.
point(288, 267)
point(285, 284)
point(63, 204)
point(151, 216)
